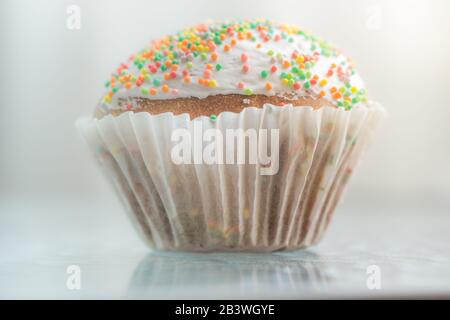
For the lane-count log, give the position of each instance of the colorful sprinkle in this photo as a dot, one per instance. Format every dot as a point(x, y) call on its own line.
point(203, 46)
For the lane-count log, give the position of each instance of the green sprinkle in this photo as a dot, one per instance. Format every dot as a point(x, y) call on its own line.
point(203, 56)
point(302, 75)
point(264, 74)
point(307, 85)
point(248, 91)
point(163, 67)
point(189, 65)
point(270, 53)
point(218, 67)
point(295, 70)
point(156, 82)
point(144, 91)
point(213, 117)
point(107, 84)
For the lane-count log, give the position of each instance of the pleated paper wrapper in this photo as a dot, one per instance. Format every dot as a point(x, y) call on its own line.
point(232, 207)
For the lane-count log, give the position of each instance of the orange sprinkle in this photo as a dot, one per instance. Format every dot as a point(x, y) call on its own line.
point(168, 63)
point(337, 95)
point(128, 85)
point(165, 88)
point(233, 42)
point(333, 89)
point(286, 64)
point(153, 91)
point(322, 93)
point(214, 56)
point(209, 66)
point(187, 79)
point(226, 48)
point(166, 76)
point(268, 86)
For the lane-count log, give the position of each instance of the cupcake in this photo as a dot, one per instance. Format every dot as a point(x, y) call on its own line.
point(233, 136)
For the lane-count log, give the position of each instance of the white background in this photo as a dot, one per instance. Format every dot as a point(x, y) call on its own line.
point(50, 76)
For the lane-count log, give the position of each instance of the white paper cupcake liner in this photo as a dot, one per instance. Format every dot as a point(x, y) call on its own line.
point(232, 207)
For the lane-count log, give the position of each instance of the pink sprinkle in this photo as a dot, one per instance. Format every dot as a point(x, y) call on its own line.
point(245, 68)
point(207, 74)
point(274, 69)
point(240, 85)
point(185, 72)
point(173, 74)
point(244, 57)
point(153, 69)
point(297, 86)
point(277, 37)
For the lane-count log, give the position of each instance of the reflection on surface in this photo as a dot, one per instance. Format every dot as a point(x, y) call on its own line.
point(227, 274)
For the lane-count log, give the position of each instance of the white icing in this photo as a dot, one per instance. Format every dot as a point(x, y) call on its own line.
point(231, 73)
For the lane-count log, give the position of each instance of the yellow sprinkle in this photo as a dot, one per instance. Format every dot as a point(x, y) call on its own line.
point(323, 82)
point(354, 89)
point(213, 83)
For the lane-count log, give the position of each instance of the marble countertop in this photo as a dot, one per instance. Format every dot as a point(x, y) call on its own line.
point(370, 254)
